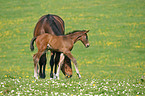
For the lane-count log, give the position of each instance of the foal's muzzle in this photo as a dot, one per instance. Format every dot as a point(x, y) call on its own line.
point(87, 45)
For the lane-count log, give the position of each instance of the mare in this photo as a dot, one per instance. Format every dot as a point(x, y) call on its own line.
point(52, 24)
point(63, 44)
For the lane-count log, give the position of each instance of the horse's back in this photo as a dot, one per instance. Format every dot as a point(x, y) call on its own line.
point(52, 24)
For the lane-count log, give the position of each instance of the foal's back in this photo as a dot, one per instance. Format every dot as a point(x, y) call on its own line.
point(57, 43)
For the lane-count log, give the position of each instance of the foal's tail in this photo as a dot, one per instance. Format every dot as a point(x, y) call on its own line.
point(32, 43)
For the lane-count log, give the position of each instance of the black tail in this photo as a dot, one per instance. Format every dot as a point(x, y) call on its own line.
point(32, 43)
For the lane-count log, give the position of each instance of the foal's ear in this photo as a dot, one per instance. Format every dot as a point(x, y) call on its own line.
point(87, 31)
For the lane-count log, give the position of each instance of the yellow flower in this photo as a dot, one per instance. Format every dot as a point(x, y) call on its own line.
point(27, 76)
point(109, 43)
point(138, 46)
point(32, 81)
point(19, 77)
point(6, 76)
point(22, 49)
point(81, 14)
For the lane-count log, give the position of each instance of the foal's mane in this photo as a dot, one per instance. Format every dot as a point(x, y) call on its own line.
point(75, 31)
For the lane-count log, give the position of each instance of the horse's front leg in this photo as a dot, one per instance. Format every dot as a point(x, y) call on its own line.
point(42, 62)
point(60, 64)
point(69, 55)
point(40, 69)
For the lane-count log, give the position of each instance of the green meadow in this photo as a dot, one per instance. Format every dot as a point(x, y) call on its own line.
point(113, 64)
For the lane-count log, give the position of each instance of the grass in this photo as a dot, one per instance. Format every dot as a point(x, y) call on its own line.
point(112, 65)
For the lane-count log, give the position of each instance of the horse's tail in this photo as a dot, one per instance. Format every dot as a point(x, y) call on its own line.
point(32, 43)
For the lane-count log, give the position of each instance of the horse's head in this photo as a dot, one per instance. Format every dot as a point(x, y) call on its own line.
point(84, 39)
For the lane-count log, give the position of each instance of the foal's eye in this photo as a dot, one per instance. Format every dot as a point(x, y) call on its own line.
point(86, 37)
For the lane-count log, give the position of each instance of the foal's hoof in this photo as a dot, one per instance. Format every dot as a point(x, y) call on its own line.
point(35, 77)
point(79, 75)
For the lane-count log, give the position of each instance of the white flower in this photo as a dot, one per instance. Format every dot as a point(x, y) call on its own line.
point(118, 92)
point(12, 91)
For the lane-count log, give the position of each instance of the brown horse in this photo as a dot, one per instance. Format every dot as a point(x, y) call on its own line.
point(52, 24)
point(63, 44)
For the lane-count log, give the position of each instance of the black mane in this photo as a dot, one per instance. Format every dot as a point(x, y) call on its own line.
point(75, 31)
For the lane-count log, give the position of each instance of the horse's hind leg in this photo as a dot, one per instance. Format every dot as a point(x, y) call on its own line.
point(52, 64)
point(68, 54)
point(42, 63)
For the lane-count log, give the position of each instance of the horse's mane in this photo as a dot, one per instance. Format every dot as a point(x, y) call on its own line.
point(75, 31)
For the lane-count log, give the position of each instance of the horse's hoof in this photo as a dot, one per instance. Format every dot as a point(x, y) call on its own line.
point(42, 76)
point(51, 75)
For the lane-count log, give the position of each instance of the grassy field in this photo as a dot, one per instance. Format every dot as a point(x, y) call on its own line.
point(112, 65)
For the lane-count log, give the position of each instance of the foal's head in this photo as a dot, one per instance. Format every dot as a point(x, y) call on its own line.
point(84, 39)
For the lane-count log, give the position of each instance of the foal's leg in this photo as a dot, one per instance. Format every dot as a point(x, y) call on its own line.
point(68, 54)
point(52, 64)
point(36, 58)
point(60, 64)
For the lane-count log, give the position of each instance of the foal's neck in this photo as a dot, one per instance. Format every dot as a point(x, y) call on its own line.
point(75, 36)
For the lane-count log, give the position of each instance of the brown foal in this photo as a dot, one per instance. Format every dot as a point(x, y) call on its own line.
point(63, 44)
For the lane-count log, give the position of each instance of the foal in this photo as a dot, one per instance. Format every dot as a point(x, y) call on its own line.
point(63, 44)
